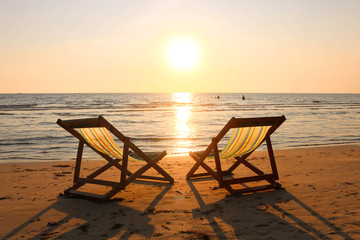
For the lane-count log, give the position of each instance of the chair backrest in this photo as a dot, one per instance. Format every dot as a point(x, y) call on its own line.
point(96, 133)
point(248, 134)
point(244, 140)
point(101, 139)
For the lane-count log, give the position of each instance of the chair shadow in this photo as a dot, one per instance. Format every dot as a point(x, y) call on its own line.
point(94, 220)
point(264, 214)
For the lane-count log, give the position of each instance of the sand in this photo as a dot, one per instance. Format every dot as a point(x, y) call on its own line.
point(320, 200)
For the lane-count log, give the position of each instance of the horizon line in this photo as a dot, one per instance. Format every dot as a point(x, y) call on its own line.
point(179, 92)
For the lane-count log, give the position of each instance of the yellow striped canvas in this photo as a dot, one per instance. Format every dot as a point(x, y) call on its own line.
point(243, 141)
point(101, 139)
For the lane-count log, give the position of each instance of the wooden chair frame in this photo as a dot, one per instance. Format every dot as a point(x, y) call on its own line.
point(218, 173)
point(126, 177)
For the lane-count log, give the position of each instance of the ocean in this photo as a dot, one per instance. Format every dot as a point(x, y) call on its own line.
point(175, 122)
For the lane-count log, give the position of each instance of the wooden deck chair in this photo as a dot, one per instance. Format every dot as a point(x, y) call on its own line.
point(248, 134)
point(97, 133)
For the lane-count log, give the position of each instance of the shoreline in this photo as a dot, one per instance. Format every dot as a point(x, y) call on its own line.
point(32, 208)
point(179, 154)
point(155, 121)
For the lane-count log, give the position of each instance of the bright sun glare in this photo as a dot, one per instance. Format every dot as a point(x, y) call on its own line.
point(182, 53)
point(183, 130)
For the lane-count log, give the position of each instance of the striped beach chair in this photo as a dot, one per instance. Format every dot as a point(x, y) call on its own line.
point(97, 134)
point(248, 134)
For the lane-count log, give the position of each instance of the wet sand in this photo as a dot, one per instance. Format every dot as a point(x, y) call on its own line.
point(320, 200)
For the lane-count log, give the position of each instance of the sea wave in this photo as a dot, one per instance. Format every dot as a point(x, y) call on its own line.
point(160, 121)
point(17, 106)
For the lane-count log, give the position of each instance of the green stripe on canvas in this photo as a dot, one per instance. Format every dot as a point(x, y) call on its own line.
point(243, 141)
point(101, 140)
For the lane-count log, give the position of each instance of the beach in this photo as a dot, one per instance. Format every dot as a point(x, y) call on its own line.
point(241, 81)
point(319, 200)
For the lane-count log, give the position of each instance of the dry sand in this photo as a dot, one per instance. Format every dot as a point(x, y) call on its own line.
point(320, 200)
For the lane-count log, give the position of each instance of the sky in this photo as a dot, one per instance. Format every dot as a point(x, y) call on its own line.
point(280, 46)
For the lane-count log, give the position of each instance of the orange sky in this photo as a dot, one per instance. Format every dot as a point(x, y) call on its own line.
point(120, 46)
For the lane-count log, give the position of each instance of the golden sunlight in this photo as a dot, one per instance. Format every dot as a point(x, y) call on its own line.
point(181, 97)
point(183, 114)
point(182, 53)
point(182, 129)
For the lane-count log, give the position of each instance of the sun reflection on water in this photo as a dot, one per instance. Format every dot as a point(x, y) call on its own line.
point(181, 97)
point(182, 130)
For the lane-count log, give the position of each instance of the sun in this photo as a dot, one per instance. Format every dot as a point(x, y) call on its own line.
point(182, 53)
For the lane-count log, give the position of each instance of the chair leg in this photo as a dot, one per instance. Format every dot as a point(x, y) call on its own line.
point(260, 175)
point(210, 172)
point(198, 161)
point(150, 163)
point(272, 158)
point(237, 163)
point(218, 167)
point(249, 165)
point(111, 163)
point(124, 166)
point(78, 161)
